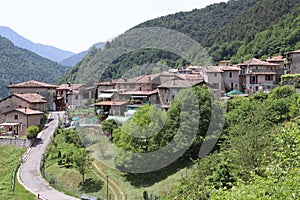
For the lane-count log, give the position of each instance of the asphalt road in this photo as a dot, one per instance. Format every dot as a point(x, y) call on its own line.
point(29, 173)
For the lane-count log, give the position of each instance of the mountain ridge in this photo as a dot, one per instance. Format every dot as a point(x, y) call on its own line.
point(47, 51)
point(19, 65)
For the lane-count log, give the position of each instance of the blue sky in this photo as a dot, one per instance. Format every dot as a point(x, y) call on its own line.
point(76, 25)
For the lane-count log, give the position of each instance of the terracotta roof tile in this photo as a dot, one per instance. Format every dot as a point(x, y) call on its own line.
point(32, 84)
point(180, 84)
point(26, 111)
point(111, 103)
point(256, 62)
point(70, 86)
point(31, 97)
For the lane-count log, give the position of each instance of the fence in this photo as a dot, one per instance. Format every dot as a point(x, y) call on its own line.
point(13, 177)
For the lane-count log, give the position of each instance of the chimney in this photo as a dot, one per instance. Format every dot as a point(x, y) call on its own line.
point(69, 84)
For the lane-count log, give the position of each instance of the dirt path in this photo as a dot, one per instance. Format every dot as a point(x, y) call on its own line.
point(111, 183)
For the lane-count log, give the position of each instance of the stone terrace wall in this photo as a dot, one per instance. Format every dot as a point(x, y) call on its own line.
point(24, 143)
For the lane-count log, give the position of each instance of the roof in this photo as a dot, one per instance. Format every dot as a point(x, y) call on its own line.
point(147, 93)
point(32, 84)
point(180, 84)
point(30, 97)
point(26, 111)
point(111, 103)
point(230, 68)
point(213, 69)
point(256, 62)
point(194, 76)
point(70, 86)
point(293, 52)
point(276, 59)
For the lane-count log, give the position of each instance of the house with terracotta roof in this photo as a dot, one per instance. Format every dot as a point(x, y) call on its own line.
point(293, 61)
point(31, 100)
point(77, 95)
point(169, 90)
point(257, 75)
point(48, 91)
point(16, 121)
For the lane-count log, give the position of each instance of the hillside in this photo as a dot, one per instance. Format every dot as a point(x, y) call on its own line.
point(278, 39)
point(46, 51)
point(221, 28)
point(74, 59)
point(18, 65)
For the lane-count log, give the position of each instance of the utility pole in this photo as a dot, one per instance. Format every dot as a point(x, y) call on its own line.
point(106, 187)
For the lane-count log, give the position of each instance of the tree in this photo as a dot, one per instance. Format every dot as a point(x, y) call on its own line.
point(82, 161)
point(108, 126)
point(32, 132)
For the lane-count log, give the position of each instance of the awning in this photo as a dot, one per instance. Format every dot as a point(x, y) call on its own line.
point(106, 95)
point(9, 124)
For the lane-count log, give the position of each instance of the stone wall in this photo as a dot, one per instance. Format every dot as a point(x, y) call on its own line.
point(24, 143)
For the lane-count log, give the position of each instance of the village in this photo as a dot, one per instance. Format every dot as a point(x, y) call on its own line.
point(27, 102)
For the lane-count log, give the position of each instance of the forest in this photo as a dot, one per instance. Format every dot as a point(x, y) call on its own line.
point(19, 65)
point(236, 30)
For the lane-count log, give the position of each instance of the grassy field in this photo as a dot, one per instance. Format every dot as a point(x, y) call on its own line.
point(155, 183)
point(69, 180)
point(8, 159)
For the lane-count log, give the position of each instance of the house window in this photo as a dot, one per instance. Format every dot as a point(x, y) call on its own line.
point(215, 74)
point(256, 67)
point(269, 78)
point(76, 97)
point(230, 74)
point(215, 85)
point(16, 117)
point(253, 80)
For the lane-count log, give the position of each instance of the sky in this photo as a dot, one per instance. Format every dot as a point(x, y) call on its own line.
point(75, 25)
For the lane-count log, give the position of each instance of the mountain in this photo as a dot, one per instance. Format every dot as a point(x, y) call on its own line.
point(18, 65)
point(223, 29)
point(73, 60)
point(46, 51)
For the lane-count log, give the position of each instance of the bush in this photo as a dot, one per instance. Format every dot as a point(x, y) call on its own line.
point(32, 132)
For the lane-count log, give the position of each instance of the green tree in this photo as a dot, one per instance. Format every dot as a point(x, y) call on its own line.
point(82, 161)
point(32, 132)
point(108, 126)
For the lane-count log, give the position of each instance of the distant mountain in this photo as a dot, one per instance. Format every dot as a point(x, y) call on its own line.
point(73, 60)
point(226, 30)
point(18, 65)
point(46, 51)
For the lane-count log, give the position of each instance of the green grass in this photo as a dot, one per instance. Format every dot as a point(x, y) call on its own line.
point(157, 183)
point(8, 159)
point(69, 180)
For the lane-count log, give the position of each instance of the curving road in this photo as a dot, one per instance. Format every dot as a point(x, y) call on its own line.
point(29, 172)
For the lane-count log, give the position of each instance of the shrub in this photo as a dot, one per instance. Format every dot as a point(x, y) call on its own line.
point(32, 132)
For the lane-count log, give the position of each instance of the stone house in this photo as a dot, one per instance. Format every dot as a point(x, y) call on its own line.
point(257, 75)
point(31, 100)
point(77, 95)
point(212, 76)
point(16, 121)
point(293, 61)
point(48, 91)
point(169, 90)
point(230, 77)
